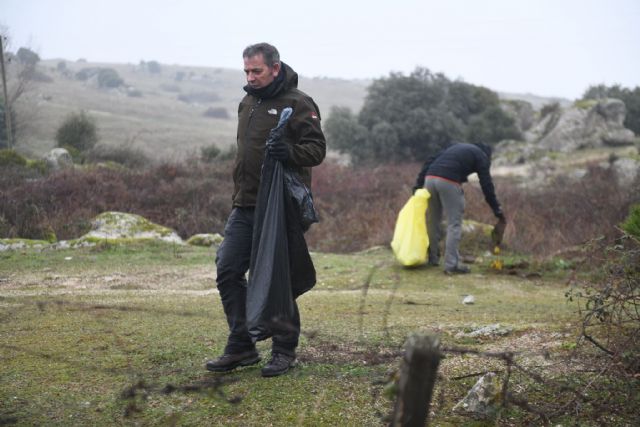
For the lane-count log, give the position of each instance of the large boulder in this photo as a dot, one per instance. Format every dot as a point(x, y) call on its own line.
point(586, 124)
point(124, 226)
point(521, 112)
point(58, 158)
point(627, 171)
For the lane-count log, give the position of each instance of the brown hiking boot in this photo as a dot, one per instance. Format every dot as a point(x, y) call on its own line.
point(228, 362)
point(279, 364)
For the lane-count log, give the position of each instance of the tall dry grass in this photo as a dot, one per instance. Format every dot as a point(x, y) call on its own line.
point(357, 206)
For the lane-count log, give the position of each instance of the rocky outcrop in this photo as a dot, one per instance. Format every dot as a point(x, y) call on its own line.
point(586, 124)
point(626, 171)
point(205, 240)
point(58, 158)
point(114, 227)
point(118, 225)
point(521, 112)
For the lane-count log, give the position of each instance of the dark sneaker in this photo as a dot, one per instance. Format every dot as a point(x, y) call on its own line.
point(278, 365)
point(458, 269)
point(228, 362)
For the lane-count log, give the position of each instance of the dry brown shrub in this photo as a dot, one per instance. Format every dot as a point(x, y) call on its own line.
point(561, 215)
point(188, 198)
point(358, 207)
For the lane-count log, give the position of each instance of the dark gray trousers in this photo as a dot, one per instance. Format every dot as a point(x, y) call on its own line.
point(232, 262)
point(448, 198)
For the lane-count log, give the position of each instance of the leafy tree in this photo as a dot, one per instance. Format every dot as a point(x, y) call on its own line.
point(630, 97)
point(491, 125)
point(384, 141)
point(20, 70)
point(108, 77)
point(346, 134)
point(27, 57)
point(154, 67)
point(409, 117)
point(78, 131)
point(209, 153)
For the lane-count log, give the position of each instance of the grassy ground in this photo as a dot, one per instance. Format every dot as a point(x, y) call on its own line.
point(120, 335)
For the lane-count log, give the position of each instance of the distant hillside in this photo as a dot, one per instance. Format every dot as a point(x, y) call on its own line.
point(161, 113)
point(161, 110)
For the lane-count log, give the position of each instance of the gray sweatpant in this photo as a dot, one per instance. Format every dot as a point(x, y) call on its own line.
point(448, 198)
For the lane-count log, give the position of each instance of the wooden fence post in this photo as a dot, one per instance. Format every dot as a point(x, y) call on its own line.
point(417, 379)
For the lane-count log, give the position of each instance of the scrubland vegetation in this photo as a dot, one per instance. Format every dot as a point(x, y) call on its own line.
point(357, 206)
point(118, 334)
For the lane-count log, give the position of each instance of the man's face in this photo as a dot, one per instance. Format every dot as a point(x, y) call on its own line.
point(258, 73)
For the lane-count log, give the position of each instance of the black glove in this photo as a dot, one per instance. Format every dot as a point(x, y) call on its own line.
point(415, 189)
point(279, 150)
point(500, 216)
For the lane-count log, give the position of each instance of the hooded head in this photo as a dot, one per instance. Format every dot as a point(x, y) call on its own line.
point(486, 149)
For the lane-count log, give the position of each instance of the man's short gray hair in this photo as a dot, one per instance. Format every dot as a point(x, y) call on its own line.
point(269, 53)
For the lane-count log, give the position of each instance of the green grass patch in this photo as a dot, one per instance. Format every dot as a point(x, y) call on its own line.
point(119, 334)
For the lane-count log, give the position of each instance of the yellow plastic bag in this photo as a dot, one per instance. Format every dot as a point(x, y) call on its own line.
point(410, 241)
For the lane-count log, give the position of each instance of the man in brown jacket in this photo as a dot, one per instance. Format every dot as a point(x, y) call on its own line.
point(271, 87)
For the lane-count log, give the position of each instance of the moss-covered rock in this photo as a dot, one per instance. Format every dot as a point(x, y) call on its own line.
point(118, 225)
point(108, 227)
point(205, 240)
point(19, 244)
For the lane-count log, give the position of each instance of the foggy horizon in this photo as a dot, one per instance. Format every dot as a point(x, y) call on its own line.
point(542, 48)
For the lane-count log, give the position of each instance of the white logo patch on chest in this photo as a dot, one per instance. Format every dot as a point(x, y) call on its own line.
point(272, 111)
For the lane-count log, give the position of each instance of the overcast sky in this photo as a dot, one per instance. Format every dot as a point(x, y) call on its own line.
point(543, 47)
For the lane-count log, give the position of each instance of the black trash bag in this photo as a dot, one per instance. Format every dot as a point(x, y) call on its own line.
point(281, 268)
point(302, 199)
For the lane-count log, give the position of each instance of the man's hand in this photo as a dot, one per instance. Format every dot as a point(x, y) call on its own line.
point(279, 150)
point(498, 230)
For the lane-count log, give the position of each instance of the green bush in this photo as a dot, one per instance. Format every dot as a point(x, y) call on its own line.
point(77, 156)
point(154, 67)
point(78, 131)
point(27, 57)
point(632, 224)
point(122, 155)
point(39, 166)
point(11, 158)
point(209, 153)
point(109, 78)
point(86, 73)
